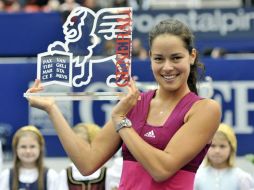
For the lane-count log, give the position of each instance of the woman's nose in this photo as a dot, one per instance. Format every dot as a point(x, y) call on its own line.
point(168, 65)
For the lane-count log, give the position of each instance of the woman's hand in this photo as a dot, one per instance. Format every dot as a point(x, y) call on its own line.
point(42, 103)
point(126, 103)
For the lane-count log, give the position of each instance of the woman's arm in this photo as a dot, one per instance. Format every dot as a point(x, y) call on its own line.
point(201, 122)
point(87, 157)
point(198, 130)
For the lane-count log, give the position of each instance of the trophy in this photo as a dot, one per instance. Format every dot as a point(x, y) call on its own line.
point(68, 67)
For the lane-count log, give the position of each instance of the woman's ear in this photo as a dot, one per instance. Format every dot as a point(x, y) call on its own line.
point(193, 55)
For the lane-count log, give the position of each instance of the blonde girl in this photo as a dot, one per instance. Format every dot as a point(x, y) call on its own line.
point(220, 171)
point(28, 170)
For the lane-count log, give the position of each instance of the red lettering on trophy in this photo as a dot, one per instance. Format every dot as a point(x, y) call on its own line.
point(123, 50)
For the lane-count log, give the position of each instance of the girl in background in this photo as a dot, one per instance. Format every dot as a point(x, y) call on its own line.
point(28, 172)
point(220, 171)
point(70, 178)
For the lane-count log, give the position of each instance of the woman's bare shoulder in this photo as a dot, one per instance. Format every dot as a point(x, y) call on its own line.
point(207, 105)
point(204, 107)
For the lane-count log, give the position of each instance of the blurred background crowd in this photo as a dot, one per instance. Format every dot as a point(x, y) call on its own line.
point(67, 5)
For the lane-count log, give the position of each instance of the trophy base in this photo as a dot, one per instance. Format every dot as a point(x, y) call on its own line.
point(72, 96)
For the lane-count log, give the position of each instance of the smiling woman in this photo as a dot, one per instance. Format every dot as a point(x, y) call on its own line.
point(171, 61)
point(28, 170)
point(150, 141)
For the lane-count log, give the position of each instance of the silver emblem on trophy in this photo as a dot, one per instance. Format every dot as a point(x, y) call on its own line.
point(96, 50)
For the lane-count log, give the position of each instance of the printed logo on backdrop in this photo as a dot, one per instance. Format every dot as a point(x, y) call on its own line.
point(71, 63)
point(226, 28)
point(237, 101)
point(221, 22)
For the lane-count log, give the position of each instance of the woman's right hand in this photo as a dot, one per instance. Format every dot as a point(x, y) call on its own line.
point(43, 103)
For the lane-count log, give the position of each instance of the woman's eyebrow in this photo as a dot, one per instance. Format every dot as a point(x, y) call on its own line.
point(176, 54)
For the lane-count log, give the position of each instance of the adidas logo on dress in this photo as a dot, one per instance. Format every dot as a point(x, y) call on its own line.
point(150, 134)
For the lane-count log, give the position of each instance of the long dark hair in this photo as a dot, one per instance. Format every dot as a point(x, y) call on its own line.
point(177, 28)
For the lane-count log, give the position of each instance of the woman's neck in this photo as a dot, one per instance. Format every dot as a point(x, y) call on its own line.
point(171, 96)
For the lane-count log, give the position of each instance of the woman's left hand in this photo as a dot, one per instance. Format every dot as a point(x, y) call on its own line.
point(126, 103)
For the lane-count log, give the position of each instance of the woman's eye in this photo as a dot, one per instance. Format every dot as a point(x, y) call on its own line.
point(157, 58)
point(176, 58)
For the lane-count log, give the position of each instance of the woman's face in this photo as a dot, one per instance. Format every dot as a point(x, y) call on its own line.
point(28, 150)
point(171, 62)
point(219, 152)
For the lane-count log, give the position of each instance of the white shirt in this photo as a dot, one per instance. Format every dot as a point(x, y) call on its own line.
point(113, 174)
point(28, 176)
point(209, 178)
point(62, 182)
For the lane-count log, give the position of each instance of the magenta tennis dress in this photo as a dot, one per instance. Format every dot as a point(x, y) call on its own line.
point(134, 176)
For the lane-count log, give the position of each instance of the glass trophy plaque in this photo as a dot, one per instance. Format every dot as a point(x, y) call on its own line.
point(96, 51)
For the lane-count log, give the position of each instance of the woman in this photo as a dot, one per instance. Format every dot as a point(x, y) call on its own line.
point(164, 133)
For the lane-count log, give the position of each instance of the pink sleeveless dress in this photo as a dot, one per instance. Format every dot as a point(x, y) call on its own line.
point(134, 176)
